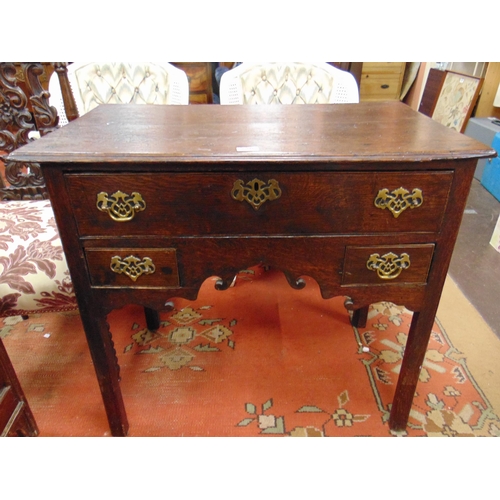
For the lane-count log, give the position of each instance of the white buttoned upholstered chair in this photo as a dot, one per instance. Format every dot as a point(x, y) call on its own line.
point(95, 83)
point(288, 83)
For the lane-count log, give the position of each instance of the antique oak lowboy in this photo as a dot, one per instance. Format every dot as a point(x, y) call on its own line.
point(150, 201)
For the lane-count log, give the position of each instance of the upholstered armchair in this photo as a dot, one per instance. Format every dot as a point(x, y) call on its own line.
point(287, 83)
point(34, 276)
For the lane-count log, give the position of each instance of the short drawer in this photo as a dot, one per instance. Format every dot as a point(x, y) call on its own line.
point(397, 264)
point(133, 267)
point(381, 81)
point(258, 203)
point(379, 87)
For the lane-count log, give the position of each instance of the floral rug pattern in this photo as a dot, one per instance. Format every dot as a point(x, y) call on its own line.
point(265, 361)
point(180, 339)
point(448, 401)
point(271, 424)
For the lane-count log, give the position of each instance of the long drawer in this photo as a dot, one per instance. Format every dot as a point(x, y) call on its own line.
point(236, 203)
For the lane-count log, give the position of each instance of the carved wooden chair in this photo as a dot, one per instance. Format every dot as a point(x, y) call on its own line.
point(26, 248)
point(33, 271)
point(288, 83)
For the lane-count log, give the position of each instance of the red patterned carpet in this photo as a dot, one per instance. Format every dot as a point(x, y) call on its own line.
point(259, 359)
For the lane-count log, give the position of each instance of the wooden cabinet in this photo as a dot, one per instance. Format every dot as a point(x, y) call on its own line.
point(200, 81)
point(485, 106)
point(381, 81)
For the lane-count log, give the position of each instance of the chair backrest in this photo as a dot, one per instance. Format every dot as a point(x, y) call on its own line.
point(287, 83)
point(98, 83)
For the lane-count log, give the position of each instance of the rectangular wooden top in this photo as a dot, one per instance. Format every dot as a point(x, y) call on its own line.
point(364, 132)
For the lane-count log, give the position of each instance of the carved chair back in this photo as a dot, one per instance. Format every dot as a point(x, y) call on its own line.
point(24, 112)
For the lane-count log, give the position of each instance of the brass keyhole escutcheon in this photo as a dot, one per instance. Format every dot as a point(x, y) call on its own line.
point(256, 192)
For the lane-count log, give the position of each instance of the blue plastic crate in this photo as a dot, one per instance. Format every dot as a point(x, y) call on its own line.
point(491, 175)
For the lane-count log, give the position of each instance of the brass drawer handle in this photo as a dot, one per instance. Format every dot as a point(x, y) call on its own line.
point(132, 266)
point(399, 200)
point(256, 192)
point(389, 266)
point(121, 207)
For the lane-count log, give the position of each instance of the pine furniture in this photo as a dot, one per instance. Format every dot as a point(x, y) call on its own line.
point(381, 81)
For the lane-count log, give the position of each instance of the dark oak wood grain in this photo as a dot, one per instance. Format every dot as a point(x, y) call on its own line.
point(310, 203)
point(382, 132)
point(323, 168)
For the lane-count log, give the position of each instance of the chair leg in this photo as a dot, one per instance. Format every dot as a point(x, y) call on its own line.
point(16, 418)
point(152, 318)
point(359, 317)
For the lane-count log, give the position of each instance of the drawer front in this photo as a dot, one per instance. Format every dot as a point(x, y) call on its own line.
point(384, 265)
point(380, 87)
point(178, 204)
point(200, 98)
point(384, 67)
point(133, 267)
point(381, 81)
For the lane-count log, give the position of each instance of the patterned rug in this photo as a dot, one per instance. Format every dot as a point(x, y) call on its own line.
point(259, 359)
